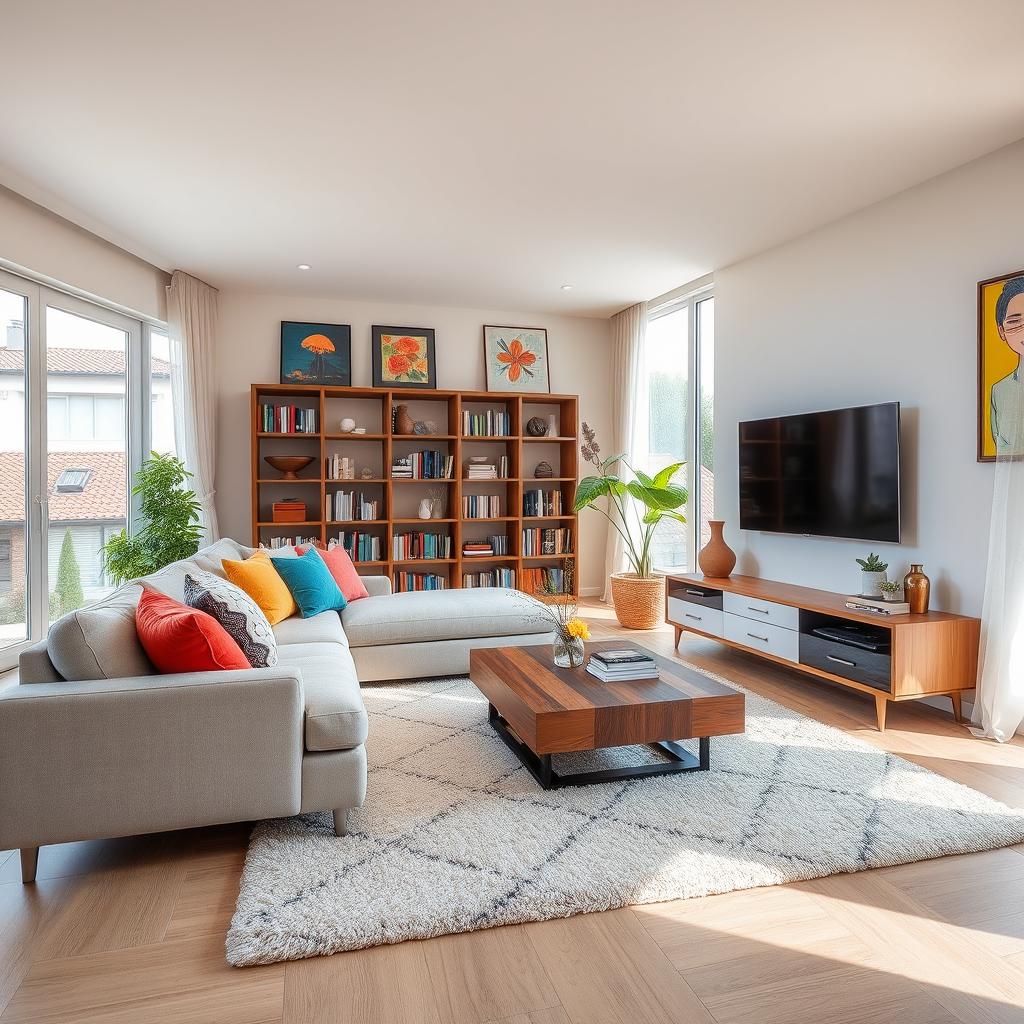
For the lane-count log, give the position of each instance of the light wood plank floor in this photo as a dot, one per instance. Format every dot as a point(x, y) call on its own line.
point(131, 931)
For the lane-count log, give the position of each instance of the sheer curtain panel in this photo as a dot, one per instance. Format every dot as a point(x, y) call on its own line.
point(192, 329)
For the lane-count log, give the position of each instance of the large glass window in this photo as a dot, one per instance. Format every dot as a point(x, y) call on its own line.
point(678, 396)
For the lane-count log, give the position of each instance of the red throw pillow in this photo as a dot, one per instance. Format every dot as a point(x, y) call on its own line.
point(341, 568)
point(182, 639)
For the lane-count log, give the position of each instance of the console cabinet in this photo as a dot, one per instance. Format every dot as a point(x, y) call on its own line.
point(891, 658)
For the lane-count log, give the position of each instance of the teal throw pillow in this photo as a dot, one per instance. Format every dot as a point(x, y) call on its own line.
point(311, 583)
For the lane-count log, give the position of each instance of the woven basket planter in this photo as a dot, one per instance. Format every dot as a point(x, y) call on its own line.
point(639, 602)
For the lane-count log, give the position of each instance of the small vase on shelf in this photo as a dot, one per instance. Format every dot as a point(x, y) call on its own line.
point(716, 558)
point(426, 508)
point(568, 651)
point(403, 421)
point(917, 588)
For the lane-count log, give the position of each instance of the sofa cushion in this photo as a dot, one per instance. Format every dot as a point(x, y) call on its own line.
point(262, 582)
point(237, 612)
point(322, 628)
point(422, 615)
point(344, 572)
point(100, 641)
point(335, 716)
point(311, 583)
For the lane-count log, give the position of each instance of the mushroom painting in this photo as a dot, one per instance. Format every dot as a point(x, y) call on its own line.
point(316, 354)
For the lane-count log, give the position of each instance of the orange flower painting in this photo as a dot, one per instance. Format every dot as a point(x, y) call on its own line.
point(403, 357)
point(516, 359)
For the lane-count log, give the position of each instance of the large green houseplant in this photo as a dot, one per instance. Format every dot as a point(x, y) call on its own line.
point(168, 522)
point(634, 508)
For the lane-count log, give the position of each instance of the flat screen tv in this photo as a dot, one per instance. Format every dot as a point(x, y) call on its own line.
point(823, 474)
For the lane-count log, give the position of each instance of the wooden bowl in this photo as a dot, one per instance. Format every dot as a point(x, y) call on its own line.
point(289, 465)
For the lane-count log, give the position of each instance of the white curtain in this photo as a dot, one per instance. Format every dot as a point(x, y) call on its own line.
point(629, 328)
point(192, 329)
point(999, 701)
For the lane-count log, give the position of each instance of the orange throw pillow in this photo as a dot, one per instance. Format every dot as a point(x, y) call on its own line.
point(262, 582)
point(182, 639)
point(341, 568)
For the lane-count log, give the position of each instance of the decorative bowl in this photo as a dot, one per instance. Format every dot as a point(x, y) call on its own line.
point(289, 465)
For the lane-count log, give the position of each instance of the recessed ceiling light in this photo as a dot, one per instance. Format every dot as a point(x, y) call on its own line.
point(566, 287)
point(304, 266)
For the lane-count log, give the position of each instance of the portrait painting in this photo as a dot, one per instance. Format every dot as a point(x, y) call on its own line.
point(1000, 346)
point(516, 359)
point(403, 357)
point(319, 354)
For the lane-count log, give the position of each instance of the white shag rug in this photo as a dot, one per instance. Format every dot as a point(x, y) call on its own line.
point(456, 835)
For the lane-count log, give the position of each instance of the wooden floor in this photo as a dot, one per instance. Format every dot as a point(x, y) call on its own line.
point(132, 931)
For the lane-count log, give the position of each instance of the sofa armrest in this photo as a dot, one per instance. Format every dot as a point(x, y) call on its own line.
point(377, 586)
point(110, 757)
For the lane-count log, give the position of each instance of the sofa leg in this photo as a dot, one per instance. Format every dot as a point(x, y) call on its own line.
point(341, 821)
point(29, 860)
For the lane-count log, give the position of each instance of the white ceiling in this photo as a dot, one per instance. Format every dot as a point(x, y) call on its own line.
point(474, 153)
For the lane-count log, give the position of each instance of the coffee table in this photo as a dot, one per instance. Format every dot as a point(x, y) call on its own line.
point(540, 710)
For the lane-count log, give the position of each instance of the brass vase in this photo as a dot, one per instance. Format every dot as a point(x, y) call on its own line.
point(917, 587)
point(716, 559)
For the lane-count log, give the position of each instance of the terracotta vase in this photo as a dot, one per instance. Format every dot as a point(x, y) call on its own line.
point(403, 421)
point(716, 558)
point(916, 589)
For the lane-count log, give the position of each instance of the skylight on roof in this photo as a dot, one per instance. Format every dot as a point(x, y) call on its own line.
point(72, 481)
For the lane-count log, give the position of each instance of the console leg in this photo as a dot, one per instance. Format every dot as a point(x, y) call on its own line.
point(29, 861)
point(679, 632)
point(958, 714)
point(880, 707)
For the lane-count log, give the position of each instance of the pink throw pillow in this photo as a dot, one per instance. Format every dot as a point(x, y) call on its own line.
point(341, 568)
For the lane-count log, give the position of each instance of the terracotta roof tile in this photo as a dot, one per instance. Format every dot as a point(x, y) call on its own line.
point(102, 362)
point(104, 498)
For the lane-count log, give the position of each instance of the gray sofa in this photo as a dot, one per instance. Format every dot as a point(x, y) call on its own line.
point(95, 744)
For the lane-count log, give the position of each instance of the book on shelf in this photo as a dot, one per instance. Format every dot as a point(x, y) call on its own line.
point(339, 467)
point(542, 503)
point(360, 547)
point(351, 506)
point(423, 465)
point(288, 419)
point(416, 544)
point(546, 541)
point(543, 581)
point(481, 506)
point(406, 581)
point(276, 543)
point(870, 604)
point(492, 423)
point(490, 578)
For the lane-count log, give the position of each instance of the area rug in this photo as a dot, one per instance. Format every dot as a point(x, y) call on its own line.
point(456, 835)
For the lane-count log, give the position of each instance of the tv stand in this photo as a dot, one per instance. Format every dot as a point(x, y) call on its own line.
point(899, 657)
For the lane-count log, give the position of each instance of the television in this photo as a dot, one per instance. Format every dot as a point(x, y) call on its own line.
point(823, 474)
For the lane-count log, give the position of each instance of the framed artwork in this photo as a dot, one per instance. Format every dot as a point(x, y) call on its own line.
point(403, 357)
point(319, 354)
point(516, 359)
point(1000, 347)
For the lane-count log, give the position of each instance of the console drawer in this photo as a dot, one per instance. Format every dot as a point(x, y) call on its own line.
point(873, 668)
point(694, 593)
point(697, 616)
point(763, 636)
point(763, 611)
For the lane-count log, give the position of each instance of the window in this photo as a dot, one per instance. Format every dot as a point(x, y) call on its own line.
point(85, 418)
point(73, 481)
point(678, 394)
point(5, 566)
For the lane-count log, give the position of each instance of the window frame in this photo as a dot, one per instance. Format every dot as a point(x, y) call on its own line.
point(675, 303)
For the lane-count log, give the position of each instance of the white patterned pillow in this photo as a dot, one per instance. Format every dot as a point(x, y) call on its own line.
point(236, 611)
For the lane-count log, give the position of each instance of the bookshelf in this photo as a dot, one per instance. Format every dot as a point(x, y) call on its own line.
point(397, 500)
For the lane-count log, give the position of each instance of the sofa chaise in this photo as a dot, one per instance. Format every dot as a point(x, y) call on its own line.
point(95, 744)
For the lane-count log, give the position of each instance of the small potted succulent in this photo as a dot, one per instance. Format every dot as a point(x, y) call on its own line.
point(872, 575)
point(890, 590)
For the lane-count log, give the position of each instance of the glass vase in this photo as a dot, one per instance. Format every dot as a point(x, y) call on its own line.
point(568, 651)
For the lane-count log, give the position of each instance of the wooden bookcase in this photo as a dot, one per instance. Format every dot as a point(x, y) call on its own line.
point(371, 408)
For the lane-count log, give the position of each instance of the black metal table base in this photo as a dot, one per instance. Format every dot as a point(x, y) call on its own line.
point(540, 767)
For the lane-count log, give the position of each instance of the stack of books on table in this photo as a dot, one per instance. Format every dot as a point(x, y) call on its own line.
point(619, 665)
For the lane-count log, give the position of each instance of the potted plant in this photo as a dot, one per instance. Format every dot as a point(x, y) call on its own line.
point(872, 575)
point(169, 518)
point(633, 508)
point(890, 590)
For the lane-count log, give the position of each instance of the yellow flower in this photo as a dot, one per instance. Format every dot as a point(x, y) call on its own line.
point(578, 628)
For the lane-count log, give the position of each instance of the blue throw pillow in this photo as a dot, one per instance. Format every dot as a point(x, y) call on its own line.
point(311, 583)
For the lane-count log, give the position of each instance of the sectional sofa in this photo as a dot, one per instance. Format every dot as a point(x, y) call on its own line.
point(94, 743)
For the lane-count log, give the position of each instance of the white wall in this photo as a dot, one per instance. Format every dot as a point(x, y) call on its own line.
point(32, 238)
point(249, 352)
point(878, 306)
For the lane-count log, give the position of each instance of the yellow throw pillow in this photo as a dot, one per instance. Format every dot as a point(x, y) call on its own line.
point(261, 581)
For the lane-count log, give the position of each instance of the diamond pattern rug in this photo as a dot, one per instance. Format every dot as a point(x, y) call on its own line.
point(456, 835)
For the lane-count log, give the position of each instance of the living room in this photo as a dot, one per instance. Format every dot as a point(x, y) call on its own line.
point(508, 515)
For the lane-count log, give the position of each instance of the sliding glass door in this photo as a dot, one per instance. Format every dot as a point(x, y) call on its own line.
point(81, 400)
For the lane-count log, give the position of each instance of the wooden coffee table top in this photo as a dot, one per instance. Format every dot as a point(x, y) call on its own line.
point(554, 709)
